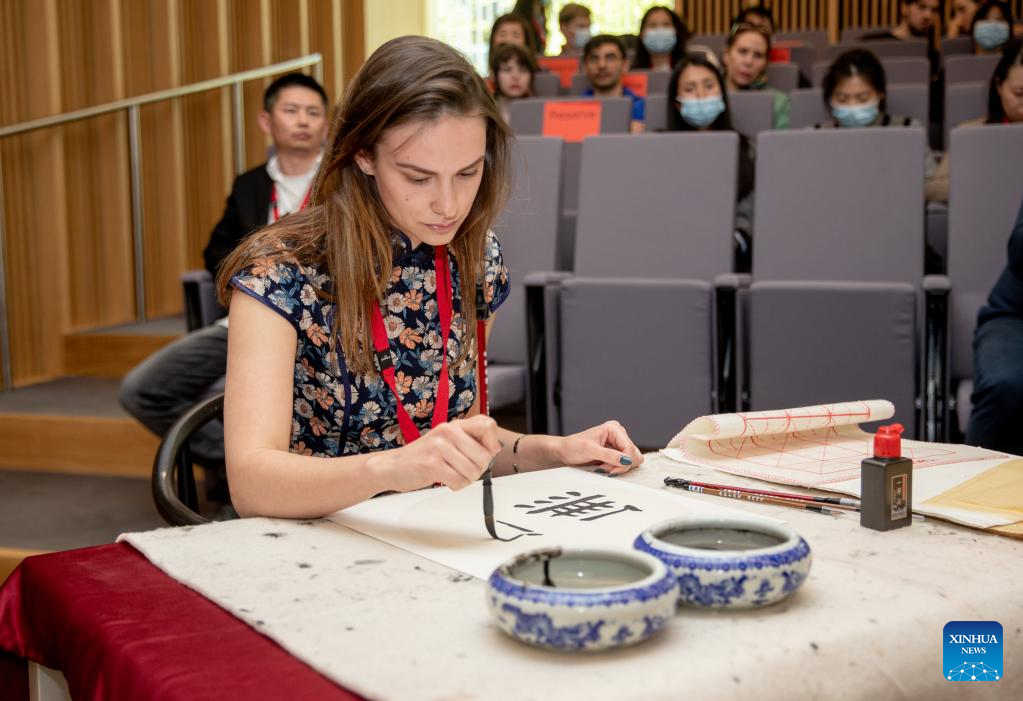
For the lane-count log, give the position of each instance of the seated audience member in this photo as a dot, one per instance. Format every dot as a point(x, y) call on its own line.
point(353, 358)
point(918, 19)
point(746, 67)
point(854, 94)
point(604, 63)
point(991, 28)
point(165, 385)
point(758, 16)
point(698, 101)
point(574, 21)
point(662, 40)
point(512, 69)
point(1004, 106)
point(534, 14)
point(510, 29)
point(962, 17)
point(998, 358)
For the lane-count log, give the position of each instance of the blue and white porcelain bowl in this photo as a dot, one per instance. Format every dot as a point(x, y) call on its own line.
point(729, 562)
point(582, 599)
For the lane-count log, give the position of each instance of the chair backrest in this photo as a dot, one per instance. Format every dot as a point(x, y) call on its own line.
point(955, 46)
point(882, 48)
point(840, 204)
point(851, 35)
point(526, 116)
point(714, 42)
point(656, 81)
point(985, 193)
point(806, 108)
point(963, 102)
point(897, 69)
point(656, 112)
point(783, 76)
point(172, 481)
point(528, 229)
point(970, 69)
point(546, 85)
point(800, 56)
point(752, 111)
point(817, 39)
point(909, 100)
point(657, 205)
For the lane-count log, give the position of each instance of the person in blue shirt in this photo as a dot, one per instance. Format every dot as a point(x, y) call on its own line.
point(604, 63)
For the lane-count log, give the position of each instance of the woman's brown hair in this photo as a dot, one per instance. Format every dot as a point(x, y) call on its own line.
point(510, 52)
point(346, 232)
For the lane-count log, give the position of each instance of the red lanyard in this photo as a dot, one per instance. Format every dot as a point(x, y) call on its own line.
point(381, 345)
point(273, 200)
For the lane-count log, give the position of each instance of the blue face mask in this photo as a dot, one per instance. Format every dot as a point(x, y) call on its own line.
point(855, 115)
point(990, 33)
point(659, 40)
point(702, 111)
point(581, 37)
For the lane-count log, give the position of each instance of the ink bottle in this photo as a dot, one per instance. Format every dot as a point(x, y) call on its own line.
point(886, 483)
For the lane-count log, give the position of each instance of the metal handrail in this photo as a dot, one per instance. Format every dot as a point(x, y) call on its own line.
point(132, 106)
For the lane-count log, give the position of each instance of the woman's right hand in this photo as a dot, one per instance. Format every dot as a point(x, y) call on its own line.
point(454, 454)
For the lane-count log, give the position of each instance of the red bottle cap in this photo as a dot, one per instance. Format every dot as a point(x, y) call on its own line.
point(887, 443)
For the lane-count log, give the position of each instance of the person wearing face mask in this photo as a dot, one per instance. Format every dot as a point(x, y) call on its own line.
point(746, 66)
point(854, 94)
point(698, 101)
point(512, 70)
point(574, 20)
point(991, 28)
point(1004, 106)
point(662, 40)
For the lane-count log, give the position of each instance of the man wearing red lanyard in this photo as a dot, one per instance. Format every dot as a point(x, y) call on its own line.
point(173, 379)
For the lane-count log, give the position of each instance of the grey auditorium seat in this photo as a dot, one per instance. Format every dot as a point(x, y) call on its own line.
point(546, 85)
point(963, 102)
point(970, 69)
point(783, 76)
point(656, 113)
point(985, 189)
point(657, 82)
point(897, 69)
point(528, 230)
point(882, 47)
point(834, 310)
point(807, 105)
point(752, 111)
point(955, 46)
point(629, 336)
point(526, 117)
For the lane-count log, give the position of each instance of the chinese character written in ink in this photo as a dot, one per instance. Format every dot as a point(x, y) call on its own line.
point(524, 532)
point(580, 506)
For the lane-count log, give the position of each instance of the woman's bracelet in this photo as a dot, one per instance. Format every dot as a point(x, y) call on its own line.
point(515, 451)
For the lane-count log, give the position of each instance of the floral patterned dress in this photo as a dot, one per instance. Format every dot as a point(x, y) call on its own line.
point(338, 412)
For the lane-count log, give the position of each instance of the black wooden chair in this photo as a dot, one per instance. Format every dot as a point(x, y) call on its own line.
point(174, 491)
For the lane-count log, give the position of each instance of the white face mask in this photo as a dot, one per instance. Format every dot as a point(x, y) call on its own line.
point(581, 37)
point(659, 40)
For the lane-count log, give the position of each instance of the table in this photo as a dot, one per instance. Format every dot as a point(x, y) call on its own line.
point(867, 625)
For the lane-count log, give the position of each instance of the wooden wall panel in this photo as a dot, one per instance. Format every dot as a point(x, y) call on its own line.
point(96, 158)
point(250, 48)
point(34, 189)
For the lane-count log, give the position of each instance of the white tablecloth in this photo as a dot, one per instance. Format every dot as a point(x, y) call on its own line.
point(391, 625)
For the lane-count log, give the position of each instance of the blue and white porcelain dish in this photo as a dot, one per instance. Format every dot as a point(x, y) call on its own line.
point(582, 599)
point(729, 562)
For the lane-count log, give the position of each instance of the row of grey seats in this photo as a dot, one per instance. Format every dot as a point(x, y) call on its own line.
point(753, 111)
point(648, 326)
point(786, 76)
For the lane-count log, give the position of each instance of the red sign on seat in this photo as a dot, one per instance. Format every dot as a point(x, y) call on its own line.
point(572, 121)
point(636, 82)
point(564, 66)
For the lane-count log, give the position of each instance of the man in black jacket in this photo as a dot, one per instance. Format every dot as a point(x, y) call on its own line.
point(166, 384)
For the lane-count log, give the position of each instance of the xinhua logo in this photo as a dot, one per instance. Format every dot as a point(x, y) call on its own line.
point(973, 651)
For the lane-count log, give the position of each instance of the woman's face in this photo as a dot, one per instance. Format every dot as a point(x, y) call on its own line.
point(746, 61)
point(853, 91)
point(428, 174)
point(513, 79)
point(697, 82)
point(508, 33)
point(658, 19)
point(1011, 92)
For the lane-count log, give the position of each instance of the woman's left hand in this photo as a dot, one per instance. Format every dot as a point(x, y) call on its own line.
point(606, 446)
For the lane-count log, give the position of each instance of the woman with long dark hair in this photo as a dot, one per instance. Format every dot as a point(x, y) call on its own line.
point(662, 39)
point(356, 324)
